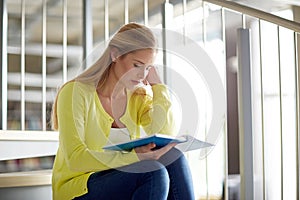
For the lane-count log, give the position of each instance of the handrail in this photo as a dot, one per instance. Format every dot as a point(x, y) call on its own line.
point(292, 25)
point(10, 135)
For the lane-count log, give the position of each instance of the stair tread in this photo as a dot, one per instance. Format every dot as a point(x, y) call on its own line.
point(26, 178)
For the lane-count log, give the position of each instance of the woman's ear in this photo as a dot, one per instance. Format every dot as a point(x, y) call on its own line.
point(114, 54)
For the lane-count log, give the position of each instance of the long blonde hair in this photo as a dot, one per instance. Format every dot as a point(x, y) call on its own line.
point(128, 38)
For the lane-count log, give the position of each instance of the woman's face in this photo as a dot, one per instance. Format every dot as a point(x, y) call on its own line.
point(132, 69)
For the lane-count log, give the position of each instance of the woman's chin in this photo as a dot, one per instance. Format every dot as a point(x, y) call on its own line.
point(134, 85)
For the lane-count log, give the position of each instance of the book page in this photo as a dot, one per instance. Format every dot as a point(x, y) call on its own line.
point(192, 144)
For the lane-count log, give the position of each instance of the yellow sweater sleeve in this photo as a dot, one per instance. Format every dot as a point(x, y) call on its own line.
point(157, 115)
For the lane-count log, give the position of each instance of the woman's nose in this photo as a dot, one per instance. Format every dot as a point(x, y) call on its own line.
point(142, 73)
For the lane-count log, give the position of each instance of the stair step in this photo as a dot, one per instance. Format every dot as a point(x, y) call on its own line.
point(28, 178)
point(27, 144)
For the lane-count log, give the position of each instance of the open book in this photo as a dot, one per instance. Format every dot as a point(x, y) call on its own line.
point(185, 143)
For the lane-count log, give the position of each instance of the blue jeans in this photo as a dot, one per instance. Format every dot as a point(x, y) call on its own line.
point(167, 178)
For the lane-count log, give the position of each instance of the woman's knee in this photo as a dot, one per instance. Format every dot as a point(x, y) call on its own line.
point(171, 157)
point(153, 183)
point(143, 166)
point(151, 166)
point(156, 172)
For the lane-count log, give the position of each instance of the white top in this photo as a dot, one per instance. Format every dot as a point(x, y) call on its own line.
point(118, 135)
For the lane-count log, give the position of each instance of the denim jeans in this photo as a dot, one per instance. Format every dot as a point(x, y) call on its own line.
point(167, 178)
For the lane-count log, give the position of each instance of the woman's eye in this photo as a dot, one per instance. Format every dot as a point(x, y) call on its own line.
point(137, 65)
point(142, 66)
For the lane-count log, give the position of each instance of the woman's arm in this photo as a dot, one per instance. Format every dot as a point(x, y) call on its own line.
point(157, 112)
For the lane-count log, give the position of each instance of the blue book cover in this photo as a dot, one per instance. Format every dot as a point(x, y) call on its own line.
point(185, 143)
point(159, 139)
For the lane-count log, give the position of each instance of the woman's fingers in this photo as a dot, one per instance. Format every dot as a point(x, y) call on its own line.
point(146, 152)
point(164, 149)
point(153, 76)
point(144, 149)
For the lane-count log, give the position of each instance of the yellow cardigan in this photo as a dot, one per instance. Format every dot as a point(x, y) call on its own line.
point(84, 127)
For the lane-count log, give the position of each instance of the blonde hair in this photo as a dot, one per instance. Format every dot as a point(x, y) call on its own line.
point(128, 38)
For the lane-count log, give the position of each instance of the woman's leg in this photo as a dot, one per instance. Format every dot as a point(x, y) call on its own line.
point(181, 182)
point(135, 181)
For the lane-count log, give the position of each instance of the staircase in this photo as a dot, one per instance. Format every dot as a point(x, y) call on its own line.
point(28, 185)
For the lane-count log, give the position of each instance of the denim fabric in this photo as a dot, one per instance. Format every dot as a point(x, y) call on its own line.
point(168, 178)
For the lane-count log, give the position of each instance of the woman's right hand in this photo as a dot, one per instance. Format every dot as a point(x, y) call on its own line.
point(153, 77)
point(147, 153)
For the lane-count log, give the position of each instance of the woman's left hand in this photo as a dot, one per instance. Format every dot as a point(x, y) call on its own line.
point(147, 153)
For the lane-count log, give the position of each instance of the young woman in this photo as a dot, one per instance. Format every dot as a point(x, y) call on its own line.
point(108, 103)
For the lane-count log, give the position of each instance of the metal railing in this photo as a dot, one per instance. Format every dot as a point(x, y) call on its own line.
point(258, 184)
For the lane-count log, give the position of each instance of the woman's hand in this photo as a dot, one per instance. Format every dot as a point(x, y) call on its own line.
point(153, 77)
point(147, 153)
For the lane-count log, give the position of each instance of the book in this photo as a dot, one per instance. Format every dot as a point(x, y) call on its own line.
point(184, 143)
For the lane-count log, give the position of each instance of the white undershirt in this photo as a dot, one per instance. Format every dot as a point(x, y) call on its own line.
point(118, 135)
